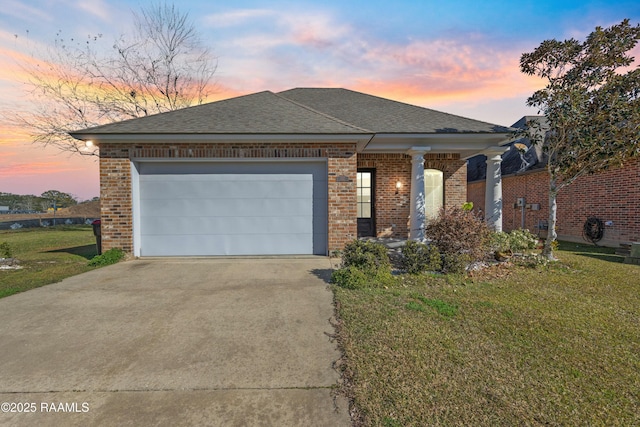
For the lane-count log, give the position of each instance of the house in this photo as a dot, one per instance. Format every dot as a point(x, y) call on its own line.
point(302, 171)
point(611, 195)
point(520, 155)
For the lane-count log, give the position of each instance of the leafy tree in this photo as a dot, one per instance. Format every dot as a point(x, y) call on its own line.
point(19, 202)
point(161, 66)
point(28, 202)
point(62, 200)
point(592, 105)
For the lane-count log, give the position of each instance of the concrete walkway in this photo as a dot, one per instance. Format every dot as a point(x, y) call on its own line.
point(219, 342)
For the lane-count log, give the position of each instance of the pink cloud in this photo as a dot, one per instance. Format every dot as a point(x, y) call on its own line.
point(314, 48)
point(37, 168)
point(448, 68)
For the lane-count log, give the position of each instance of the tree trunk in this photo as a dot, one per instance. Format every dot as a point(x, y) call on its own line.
point(547, 251)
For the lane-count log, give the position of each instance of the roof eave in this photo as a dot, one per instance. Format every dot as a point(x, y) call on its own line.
point(360, 139)
point(466, 144)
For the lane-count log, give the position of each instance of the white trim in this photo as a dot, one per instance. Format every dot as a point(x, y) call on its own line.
point(492, 152)
point(467, 145)
point(361, 140)
point(182, 138)
point(135, 208)
point(458, 135)
point(228, 159)
point(418, 150)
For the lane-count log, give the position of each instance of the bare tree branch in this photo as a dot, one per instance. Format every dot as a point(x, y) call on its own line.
point(161, 66)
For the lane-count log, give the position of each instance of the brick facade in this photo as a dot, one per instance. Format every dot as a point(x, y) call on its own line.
point(115, 180)
point(455, 176)
point(611, 195)
point(391, 209)
point(116, 208)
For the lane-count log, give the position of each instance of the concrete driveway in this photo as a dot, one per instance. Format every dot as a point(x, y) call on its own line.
point(233, 342)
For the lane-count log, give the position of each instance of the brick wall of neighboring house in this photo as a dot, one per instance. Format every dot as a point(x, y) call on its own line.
point(115, 180)
point(611, 195)
point(391, 209)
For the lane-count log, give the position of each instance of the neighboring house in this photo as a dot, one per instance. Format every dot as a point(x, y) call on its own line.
point(612, 195)
point(520, 156)
point(302, 171)
point(4, 209)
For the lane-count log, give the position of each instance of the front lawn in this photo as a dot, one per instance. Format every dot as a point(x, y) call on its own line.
point(557, 345)
point(46, 255)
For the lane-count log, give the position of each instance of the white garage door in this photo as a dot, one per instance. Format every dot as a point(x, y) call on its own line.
point(232, 208)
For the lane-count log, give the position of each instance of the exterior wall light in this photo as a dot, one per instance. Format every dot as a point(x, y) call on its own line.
point(398, 186)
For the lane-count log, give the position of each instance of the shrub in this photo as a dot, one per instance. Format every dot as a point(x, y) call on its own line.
point(521, 240)
point(111, 256)
point(364, 264)
point(350, 278)
point(499, 242)
point(515, 241)
point(5, 250)
point(354, 278)
point(366, 255)
point(532, 260)
point(455, 263)
point(418, 257)
point(456, 232)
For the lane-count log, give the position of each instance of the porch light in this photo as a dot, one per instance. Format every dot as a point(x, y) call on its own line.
point(398, 186)
point(89, 143)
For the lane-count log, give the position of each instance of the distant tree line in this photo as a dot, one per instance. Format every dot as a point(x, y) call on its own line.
point(30, 202)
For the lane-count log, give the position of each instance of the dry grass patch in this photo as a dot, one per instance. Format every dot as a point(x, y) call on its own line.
point(557, 345)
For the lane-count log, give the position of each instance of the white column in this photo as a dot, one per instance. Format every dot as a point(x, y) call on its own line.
point(417, 215)
point(493, 189)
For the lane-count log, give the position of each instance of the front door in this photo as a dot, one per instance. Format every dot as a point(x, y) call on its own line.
point(366, 197)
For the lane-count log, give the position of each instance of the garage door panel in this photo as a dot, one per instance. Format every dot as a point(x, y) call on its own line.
point(222, 225)
point(229, 244)
point(224, 189)
point(158, 190)
point(185, 175)
point(231, 208)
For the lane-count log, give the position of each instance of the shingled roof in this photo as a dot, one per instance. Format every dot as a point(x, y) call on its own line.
point(301, 111)
point(382, 115)
point(258, 113)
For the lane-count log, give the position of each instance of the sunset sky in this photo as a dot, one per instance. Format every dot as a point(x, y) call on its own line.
point(456, 56)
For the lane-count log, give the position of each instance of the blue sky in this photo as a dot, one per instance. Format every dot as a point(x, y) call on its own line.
point(459, 57)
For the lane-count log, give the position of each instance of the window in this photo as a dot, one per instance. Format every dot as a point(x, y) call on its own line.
point(433, 192)
point(364, 194)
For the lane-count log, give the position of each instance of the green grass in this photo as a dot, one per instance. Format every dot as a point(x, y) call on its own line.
point(556, 345)
point(47, 255)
